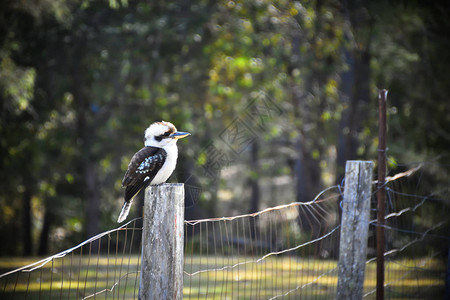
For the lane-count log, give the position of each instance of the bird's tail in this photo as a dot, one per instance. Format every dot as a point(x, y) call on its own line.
point(125, 210)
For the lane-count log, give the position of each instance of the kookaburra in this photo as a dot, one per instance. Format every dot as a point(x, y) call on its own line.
point(153, 164)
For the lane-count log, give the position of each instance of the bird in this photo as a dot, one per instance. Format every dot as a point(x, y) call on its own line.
point(153, 164)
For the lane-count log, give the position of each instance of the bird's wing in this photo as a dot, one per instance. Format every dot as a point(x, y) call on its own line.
point(142, 169)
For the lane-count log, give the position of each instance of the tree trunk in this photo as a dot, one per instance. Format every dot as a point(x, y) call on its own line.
point(347, 83)
point(254, 182)
point(26, 220)
point(86, 134)
point(45, 232)
point(359, 102)
point(355, 85)
point(308, 184)
point(92, 198)
point(254, 186)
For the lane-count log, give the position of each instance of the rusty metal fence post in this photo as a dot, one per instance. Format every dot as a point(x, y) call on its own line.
point(381, 191)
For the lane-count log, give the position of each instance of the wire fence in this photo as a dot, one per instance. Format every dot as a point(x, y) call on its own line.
point(284, 252)
point(105, 266)
point(416, 234)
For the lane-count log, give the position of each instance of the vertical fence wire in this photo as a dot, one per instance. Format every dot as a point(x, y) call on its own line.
point(261, 255)
point(416, 235)
point(285, 252)
point(82, 272)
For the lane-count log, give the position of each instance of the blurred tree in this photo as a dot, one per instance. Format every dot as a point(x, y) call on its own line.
point(21, 120)
point(355, 82)
point(80, 80)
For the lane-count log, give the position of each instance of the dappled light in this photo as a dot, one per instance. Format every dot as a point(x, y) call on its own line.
point(278, 96)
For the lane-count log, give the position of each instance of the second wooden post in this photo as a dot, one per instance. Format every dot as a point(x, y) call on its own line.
point(354, 229)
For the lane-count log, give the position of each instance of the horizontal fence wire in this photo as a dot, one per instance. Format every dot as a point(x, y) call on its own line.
point(284, 252)
point(103, 267)
point(416, 235)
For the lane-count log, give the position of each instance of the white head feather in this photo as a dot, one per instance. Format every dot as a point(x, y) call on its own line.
point(159, 129)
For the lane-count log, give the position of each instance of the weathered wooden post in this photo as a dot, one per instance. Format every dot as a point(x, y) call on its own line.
point(162, 243)
point(354, 229)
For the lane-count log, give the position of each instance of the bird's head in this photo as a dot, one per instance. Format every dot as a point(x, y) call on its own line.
point(160, 134)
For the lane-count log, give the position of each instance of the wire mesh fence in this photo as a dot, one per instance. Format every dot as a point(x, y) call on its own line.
point(416, 234)
point(284, 252)
point(280, 251)
point(105, 266)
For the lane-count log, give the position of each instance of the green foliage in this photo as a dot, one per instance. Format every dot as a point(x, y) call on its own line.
point(80, 80)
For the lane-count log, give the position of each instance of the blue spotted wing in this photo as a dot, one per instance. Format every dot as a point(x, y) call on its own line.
point(142, 169)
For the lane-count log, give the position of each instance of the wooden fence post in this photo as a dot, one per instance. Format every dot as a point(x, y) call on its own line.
point(162, 243)
point(354, 229)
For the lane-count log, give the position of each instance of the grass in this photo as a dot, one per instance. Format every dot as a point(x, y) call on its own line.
point(75, 277)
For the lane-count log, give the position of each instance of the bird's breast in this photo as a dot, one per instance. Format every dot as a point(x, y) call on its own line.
point(168, 167)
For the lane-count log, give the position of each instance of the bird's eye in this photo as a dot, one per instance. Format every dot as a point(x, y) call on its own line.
point(158, 138)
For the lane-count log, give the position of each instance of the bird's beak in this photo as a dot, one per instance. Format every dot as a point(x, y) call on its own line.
point(179, 135)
